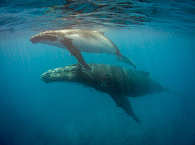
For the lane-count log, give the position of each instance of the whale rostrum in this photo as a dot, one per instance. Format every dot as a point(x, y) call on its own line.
point(116, 81)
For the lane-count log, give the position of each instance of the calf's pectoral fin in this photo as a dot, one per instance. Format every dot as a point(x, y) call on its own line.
point(75, 52)
point(123, 102)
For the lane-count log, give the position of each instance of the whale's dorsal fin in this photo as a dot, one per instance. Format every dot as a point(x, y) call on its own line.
point(123, 102)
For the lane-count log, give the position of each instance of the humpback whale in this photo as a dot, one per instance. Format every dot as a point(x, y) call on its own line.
point(77, 41)
point(116, 81)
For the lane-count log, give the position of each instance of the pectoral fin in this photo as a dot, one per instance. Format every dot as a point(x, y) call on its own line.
point(75, 52)
point(123, 102)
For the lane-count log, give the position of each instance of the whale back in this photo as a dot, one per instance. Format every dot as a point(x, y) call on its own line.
point(121, 81)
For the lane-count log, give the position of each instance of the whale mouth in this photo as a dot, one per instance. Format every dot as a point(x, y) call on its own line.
point(45, 77)
point(34, 39)
point(43, 38)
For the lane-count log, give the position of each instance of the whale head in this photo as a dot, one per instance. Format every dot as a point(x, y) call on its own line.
point(67, 73)
point(47, 37)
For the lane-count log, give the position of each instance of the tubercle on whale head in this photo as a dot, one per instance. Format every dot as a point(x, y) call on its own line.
point(67, 73)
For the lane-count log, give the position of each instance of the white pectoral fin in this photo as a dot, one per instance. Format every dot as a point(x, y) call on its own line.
point(123, 102)
point(75, 52)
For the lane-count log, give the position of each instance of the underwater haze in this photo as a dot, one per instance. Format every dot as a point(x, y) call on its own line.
point(159, 36)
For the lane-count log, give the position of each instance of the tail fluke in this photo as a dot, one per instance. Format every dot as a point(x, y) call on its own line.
point(126, 60)
point(123, 58)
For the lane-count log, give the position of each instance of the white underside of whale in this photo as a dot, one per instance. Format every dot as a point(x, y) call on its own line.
point(86, 41)
point(96, 44)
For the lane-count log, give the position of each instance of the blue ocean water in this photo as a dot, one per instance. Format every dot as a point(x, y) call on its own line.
point(159, 36)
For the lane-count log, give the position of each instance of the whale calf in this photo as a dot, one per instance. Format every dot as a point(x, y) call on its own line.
point(77, 41)
point(116, 81)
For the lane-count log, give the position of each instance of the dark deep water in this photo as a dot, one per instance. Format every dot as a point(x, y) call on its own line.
point(159, 36)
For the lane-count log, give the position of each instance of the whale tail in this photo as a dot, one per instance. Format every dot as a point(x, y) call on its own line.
point(125, 59)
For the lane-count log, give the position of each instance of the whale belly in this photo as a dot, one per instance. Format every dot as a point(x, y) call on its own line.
point(92, 45)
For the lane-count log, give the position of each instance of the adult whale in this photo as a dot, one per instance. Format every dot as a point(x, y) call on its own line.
point(116, 81)
point(77, 41)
